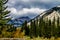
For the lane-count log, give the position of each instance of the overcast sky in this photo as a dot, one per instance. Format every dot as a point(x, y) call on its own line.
point(30, 8)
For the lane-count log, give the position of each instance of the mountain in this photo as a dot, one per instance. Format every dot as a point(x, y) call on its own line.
point(50, 14)
point(53, 12)
point(19, 21)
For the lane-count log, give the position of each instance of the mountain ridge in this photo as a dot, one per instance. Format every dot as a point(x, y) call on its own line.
point(19, 21)
point(47, 12)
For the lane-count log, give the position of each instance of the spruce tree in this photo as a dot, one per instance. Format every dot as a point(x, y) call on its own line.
point(53, 27)
point(26, 28)
point(41, 26)
point(46, 28)
point(4, 27)
point(58, 27)
point(3, 12)
point(31, 29)
point(49, 29)
point(37, 27)
point(34, 29)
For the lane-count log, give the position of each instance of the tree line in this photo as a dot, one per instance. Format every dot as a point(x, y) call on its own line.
point(42, 28)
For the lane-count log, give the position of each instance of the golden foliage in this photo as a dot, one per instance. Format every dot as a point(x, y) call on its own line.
point(18, 33)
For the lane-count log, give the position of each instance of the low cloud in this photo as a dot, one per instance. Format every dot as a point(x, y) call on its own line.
point(29, 8)
point(20, 4)
point(25, 12)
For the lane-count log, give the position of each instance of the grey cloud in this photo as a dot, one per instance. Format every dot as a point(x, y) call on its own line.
point(44, 4)
point(41, 4)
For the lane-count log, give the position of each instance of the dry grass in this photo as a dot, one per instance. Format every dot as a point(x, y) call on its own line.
point(28, 38)
point(41, 38)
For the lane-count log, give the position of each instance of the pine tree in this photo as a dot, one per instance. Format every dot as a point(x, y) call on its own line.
point(3, 11)
point(26, 28)
point(49, 29)
point(31, 29)
point(3, 22)
point(37, 27)
point(53, 27)
point(46, 28)
point(34, 29)
point(41, 27)
point(58, 27)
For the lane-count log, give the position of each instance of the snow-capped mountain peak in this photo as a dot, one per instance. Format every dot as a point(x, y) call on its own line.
point(19, 21)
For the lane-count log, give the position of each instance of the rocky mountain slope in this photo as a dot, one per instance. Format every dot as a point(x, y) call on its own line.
point(53, 12)
point(50, 14)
